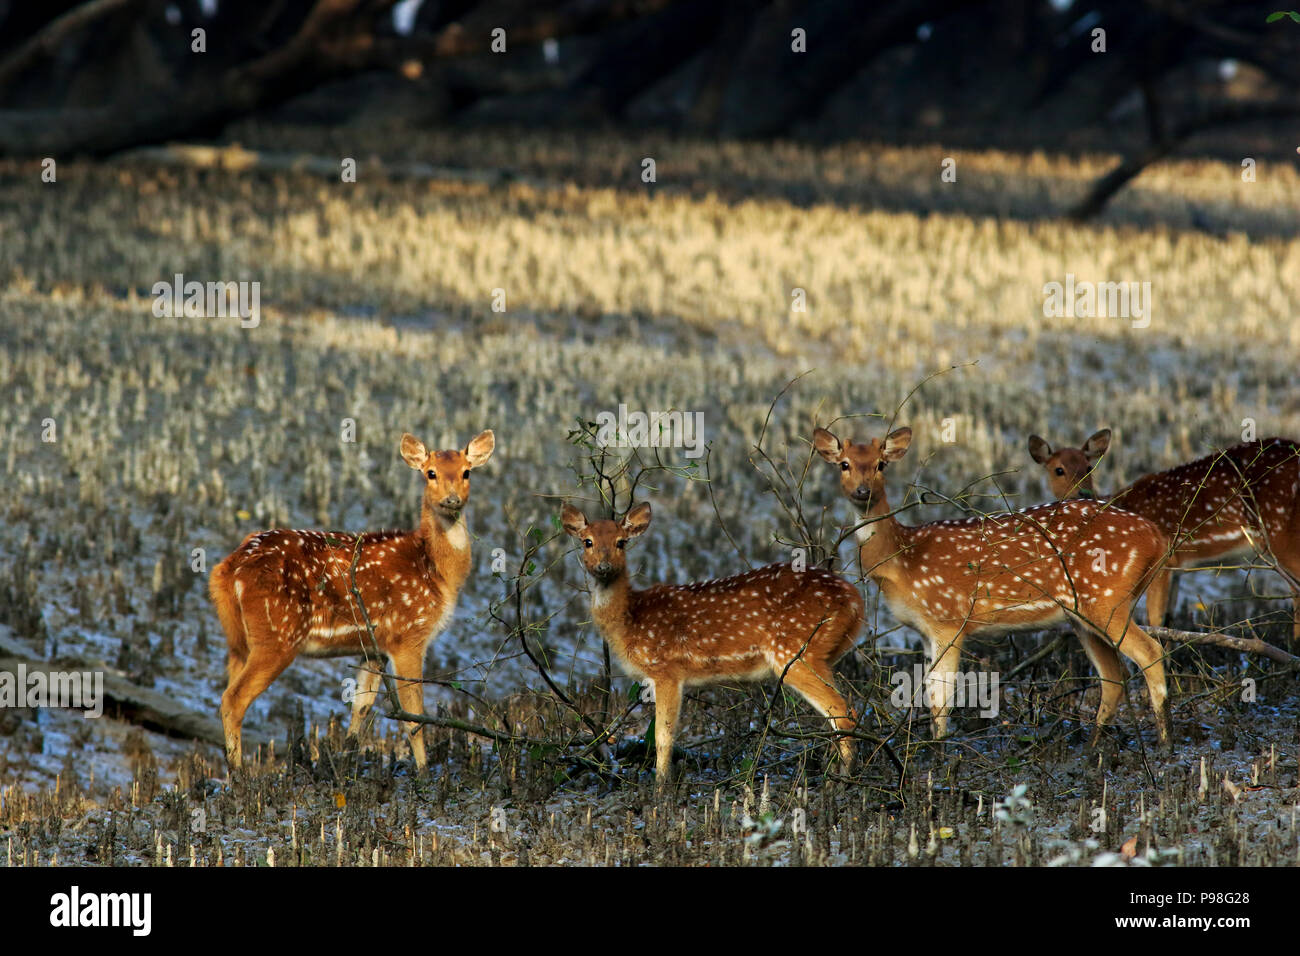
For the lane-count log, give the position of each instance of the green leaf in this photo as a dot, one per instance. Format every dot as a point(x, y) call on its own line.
point(529, 568)
point(633, 692)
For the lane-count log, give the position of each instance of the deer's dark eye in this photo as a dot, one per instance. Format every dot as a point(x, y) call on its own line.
point(619, 543)
point(844, 466)
point(1060, 471)
point(589, 543)
point(880, 465)
point(466, 475)
point(432, 475)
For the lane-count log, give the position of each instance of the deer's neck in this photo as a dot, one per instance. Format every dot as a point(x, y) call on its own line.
point(882, 543)
point(609, 610)
point(446, 544)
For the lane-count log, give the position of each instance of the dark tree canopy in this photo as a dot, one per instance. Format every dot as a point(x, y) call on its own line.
point(106, 75)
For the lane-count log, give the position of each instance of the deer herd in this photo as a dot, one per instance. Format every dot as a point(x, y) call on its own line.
point(1083, 559)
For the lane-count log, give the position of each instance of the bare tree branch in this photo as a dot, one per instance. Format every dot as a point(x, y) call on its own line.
point(1130, 168)
point(54, 34)
point(1249, 645)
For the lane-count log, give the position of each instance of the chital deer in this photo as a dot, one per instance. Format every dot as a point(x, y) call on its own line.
point(1226, 505)
point(770, 622)
point(1070, 561)
point(285, 593)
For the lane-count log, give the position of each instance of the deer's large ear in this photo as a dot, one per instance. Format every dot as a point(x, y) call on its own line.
point(479, 450)
point(827, 445)
point(637, 519)
point(1039, 450)
point(1096, 446)
point(413, 452)
point(897, 443)
point(573, 521)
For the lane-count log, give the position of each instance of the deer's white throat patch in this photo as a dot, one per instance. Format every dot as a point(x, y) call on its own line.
point(600, 596)
point(457, 536)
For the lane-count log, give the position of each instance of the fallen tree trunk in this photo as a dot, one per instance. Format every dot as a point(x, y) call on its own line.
point(138, 705)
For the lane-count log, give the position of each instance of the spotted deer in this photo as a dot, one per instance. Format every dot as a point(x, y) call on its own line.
point(1074, 562)
point(769, 622)
point(1230, 504)
point(283, 593)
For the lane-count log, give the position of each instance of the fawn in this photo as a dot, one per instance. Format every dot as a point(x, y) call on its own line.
point(769, 622)
point(1070, 561)
point(1232, 503)
point(283, 593)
